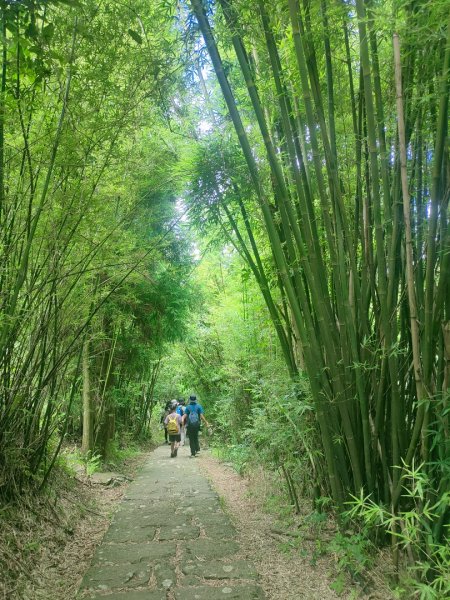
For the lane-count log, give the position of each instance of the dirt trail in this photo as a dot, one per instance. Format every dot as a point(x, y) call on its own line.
point(284, 575)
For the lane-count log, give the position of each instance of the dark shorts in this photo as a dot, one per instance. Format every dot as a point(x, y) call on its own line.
point(175, 438)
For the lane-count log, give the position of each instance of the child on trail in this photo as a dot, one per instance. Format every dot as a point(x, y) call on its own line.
point(180, 411)
point(193, 414)
point(173, 422)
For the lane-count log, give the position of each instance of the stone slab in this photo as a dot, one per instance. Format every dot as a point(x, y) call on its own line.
point(214, 518)
point(179, 532)
point(124, 532)
point(153, 502)
point(136, 519)
point(238, 569)
point(204, 548)
point(198, 496)
point(149, 500)
point(165, 576)
point(242, 592)
point(115, 577)
point(134, 553)
point(200, 505)
point(140, 509)
point(174, 503)
point(188, 580)
point(133, 595)
point(220, 532)
point(137, 492)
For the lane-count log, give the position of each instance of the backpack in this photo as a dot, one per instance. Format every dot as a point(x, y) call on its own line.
point(193, 418)
point(172, 425)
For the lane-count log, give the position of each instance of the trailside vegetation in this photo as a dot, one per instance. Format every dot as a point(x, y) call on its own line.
point(93, 258)
point(340, 118)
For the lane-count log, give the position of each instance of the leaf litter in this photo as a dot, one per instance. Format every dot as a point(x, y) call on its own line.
point(287, 560)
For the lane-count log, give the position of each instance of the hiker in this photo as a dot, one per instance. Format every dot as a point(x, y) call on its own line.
point(162, 420)
point(193, 415)
point(180, 411)
point(173, 422)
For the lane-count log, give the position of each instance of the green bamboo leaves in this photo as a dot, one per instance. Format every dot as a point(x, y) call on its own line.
point(76, 226)
point(360, 285)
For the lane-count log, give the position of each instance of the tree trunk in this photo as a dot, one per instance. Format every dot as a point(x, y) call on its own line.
point(87, 445)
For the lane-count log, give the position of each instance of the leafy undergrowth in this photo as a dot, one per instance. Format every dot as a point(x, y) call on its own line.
point(47, 540)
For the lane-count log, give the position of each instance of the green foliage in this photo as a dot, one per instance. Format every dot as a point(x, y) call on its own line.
point(91, 246)
point(224, 352)
point(240, 456)
point(415, 530)
point(128, 448)
point(231, 358)
point(73, 459)
point(92, 463)
point(355, 286)
point(352, 555)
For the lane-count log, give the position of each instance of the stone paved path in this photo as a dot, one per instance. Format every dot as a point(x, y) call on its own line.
point(170, 540)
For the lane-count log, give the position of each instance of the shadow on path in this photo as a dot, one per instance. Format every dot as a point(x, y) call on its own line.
point(170, 540)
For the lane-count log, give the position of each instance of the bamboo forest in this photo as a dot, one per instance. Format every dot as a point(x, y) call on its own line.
point(231, 214)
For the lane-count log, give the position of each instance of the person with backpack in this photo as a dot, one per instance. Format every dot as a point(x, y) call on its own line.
point(193, 415)
point(173, 422)
point(180, 411)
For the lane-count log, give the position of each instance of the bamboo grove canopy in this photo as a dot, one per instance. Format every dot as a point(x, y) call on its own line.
point(341, 112)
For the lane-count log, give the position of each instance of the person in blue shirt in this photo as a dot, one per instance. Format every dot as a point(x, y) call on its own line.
point(193, 415)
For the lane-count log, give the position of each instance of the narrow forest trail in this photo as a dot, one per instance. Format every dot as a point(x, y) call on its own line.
point(192, 529)
point(170, 540)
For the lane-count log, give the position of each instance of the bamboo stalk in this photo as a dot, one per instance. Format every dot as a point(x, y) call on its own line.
point(271, 229)
point(415, 336)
